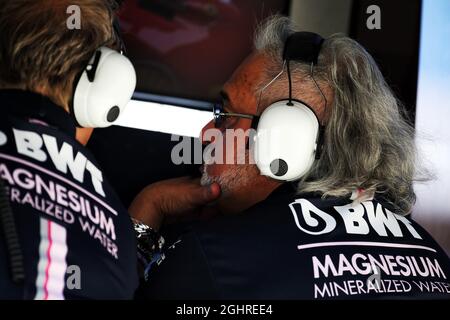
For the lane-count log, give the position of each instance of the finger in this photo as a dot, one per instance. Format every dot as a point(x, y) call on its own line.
point(214, 191)
point(203, 195)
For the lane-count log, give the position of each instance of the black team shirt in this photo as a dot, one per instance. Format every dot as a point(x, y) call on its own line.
point(76, 237)
point(304, 247)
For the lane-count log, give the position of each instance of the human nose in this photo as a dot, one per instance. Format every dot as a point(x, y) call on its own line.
point(204, 138)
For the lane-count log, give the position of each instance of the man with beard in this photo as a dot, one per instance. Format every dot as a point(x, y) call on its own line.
point(336, 229)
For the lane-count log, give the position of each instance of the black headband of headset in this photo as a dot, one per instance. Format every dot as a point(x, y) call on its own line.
point(303, 46)
point(118, 36)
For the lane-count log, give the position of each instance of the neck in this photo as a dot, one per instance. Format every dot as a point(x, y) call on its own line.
point(82, 134)
point(57, 96)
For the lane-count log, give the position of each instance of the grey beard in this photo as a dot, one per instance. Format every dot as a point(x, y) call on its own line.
point(228, 180)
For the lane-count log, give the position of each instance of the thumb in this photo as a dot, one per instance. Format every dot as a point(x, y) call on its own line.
point(204, 195)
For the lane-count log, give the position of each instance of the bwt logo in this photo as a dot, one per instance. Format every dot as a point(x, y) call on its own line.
point(73, 281)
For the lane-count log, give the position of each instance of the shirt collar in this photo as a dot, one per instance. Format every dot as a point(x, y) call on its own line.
point(31, 105)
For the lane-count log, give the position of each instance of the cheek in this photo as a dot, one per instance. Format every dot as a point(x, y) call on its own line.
point(234, 155)
point(216, 170)
point(230, 150)
point(235, 145)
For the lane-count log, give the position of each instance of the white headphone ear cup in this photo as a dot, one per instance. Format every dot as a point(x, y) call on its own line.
point(99, 103)
point(286, 140)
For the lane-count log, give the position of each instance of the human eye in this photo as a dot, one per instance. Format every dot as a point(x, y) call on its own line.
point(229, 122)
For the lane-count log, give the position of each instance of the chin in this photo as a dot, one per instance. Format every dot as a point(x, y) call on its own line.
point(233, 179)
point(225, 180)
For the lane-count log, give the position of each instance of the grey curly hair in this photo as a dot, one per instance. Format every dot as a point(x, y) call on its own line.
point(368, 143)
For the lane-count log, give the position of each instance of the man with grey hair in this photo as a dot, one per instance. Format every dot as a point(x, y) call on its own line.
point(339, 232)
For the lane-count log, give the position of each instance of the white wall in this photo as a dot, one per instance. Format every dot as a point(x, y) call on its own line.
point(164, 118)
point(433, 119)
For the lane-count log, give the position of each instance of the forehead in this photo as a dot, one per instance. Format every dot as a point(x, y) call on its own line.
point(242, 85)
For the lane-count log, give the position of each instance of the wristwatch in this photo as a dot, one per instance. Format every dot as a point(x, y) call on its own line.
point(150, 246)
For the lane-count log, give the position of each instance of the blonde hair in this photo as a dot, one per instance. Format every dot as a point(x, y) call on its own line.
point(368, 143)
point(38, 52)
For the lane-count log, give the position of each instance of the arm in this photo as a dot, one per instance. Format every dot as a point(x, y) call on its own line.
point(174, 199)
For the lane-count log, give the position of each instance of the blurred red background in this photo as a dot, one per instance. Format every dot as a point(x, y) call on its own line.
point(188, 48)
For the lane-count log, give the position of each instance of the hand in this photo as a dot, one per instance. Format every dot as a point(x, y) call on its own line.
point(173, 199)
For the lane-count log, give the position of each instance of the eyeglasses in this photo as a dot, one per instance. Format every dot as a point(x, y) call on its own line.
point(220, 116)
